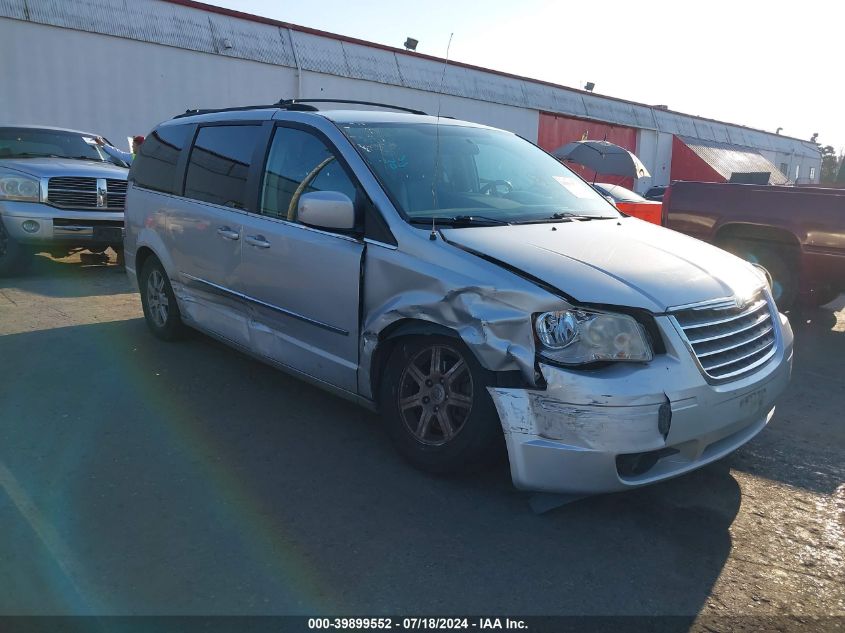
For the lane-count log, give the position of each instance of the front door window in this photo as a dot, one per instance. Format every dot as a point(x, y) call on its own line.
point(299, 163)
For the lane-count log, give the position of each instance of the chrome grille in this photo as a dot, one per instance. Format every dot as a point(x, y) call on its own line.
point(727, 340)
point(116, 194)
point(73, 192)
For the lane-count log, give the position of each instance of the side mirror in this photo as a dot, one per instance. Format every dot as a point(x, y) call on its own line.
point(610, 200)
point(326, 210)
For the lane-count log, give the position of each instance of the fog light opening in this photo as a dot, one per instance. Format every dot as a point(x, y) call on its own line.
point(30, 226)
point(664, 418)
point(634, 464)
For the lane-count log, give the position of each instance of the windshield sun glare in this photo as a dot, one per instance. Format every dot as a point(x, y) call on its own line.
point(474, 176)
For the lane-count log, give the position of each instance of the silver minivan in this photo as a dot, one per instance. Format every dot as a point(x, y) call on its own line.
point(461, 281)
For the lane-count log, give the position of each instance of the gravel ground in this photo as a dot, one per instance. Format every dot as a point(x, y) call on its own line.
point(139, 477)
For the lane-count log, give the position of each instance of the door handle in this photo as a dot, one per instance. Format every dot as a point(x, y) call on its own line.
point(257, 240)
point(228, 234)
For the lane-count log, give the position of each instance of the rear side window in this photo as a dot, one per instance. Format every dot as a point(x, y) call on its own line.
point(300, 163)
point(155, 165)
point(219, 164)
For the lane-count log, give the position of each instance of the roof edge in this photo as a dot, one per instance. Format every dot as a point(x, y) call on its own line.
point(209, 8)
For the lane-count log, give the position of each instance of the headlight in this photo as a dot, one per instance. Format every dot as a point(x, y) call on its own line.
point(577, 337)
point(15, 186)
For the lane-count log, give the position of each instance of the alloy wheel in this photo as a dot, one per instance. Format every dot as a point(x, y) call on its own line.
point(435, 394)
point(157, 300)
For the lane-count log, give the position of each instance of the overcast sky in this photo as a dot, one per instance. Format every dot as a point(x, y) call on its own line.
point(760, 64)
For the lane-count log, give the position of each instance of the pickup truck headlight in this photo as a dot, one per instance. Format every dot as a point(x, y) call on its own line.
point(578, 337)
point(17, 186)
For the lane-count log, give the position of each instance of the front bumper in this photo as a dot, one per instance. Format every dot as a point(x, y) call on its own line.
point(64, 226)
point(568, 437)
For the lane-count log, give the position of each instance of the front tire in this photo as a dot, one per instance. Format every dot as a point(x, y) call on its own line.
point(14, 258)
point(119, 256)
point(436, 406)
point(161, 310)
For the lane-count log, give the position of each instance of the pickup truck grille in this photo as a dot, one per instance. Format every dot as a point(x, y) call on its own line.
point(71, 192)
point(116, 194)
point(727, 340)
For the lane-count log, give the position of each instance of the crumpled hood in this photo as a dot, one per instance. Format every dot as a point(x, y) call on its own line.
point(626, 262)
point(49, 167)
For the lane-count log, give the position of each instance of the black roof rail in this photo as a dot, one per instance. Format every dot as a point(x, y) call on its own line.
point(300, 105)
point(292, 103)
point(196, 111)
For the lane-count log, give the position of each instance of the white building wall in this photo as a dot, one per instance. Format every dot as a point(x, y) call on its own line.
point(119, 87)
point(798, 167)
point(119, 68)
point(663, 163)
point(522, 121)
point(655, 150)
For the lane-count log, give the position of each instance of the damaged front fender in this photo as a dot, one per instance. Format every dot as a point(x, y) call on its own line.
point(488, 308)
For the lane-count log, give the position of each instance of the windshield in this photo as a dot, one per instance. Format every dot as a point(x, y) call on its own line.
point(39, 143)
point(481, 174)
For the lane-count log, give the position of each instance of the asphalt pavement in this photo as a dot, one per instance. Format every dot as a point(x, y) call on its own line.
point(143, 477)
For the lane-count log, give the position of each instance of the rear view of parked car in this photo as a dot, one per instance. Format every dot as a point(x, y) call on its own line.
point(631, 203)
point(59, 192)
point(461, 281)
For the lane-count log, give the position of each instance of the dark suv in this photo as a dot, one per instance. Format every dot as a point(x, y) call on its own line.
point(656, 192)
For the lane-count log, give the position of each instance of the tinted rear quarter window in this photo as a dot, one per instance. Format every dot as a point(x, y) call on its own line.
point(155, 165)
point(219, 164)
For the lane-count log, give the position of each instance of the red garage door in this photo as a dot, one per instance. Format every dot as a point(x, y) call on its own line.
point(556, 130)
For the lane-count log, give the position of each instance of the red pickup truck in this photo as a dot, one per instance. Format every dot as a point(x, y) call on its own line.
point(796, 233)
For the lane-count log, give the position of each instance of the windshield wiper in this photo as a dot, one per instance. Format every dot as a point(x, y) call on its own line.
point(32, 155)
point(460, 220)
point(477, 219)
point(38, 155)
point(566, 215)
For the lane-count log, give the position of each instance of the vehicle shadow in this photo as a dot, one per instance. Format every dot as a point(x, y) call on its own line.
point(187, 478)
point(802, 445)
point(69, 278)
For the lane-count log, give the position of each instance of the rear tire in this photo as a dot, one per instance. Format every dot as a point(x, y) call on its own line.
point(14, 258)
point(161, 311)
point(436, 406)
point(779, 261)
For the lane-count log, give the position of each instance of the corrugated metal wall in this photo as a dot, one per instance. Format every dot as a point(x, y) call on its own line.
point(96, 69)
